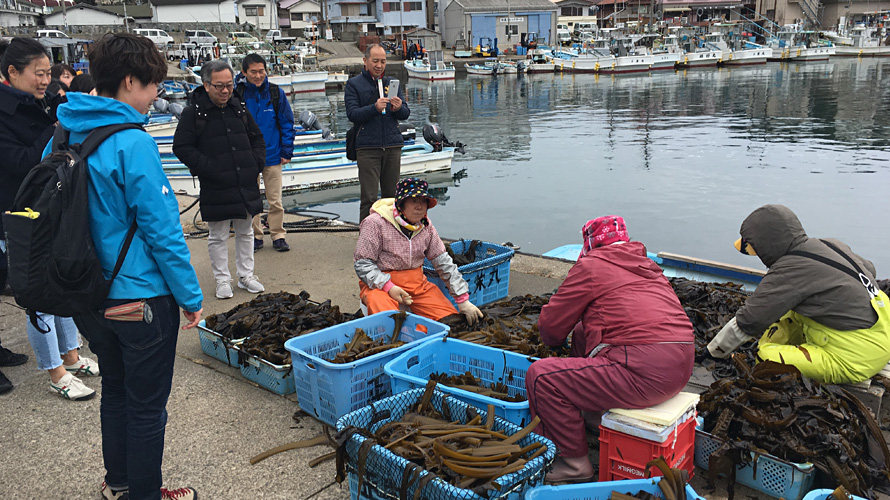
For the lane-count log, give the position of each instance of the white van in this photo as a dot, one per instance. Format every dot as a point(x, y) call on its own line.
point(51, 34)
point(158, 37)
point(200, 36)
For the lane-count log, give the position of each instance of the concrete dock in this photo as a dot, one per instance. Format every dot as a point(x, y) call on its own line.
point(217, 419)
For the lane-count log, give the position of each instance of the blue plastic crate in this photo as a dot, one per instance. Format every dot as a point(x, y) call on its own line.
point(384, 469)
point(766, 473)
point(823, 495)
point(603, 490)
point(218, 347)
point(488, 277)
point(276, 378)
point(328, 390)
point(412, 369)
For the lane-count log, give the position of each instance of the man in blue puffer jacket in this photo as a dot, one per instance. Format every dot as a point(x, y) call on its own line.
point(276, 120)
point(378, 140)
point(127, 183)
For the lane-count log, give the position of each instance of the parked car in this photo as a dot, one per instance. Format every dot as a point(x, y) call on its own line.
point(241, 37)
point(51, 34)
point(158, 37)
point(274, 36)
point(200, 36)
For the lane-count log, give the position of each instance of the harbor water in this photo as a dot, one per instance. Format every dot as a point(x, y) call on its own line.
point(684, 156)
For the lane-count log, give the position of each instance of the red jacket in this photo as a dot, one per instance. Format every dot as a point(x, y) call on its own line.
point(620, 297)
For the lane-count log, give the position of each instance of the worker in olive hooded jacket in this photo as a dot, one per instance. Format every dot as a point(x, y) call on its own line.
point(817, 307)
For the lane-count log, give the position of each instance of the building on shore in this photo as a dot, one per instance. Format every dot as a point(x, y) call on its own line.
point(504, 20)
point(18, 13)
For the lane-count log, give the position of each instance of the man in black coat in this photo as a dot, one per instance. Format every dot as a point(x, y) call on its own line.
point(378, 140)
point(222, 145)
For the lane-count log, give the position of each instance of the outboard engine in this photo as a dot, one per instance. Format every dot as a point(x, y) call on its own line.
point(310, 122)
point(164, 106)
point(409, 133)
point(435, 137)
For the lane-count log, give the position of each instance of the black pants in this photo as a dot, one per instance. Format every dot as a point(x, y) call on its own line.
point(378, 168)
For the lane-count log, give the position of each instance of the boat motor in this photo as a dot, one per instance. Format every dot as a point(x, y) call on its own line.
point(310, 122)
point(408, 131)
point(164, 106)
point(435, 137)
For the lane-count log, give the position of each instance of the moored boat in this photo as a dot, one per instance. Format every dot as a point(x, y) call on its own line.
point(864, 42)
point(480, 69)
point(431, 67)
point(320, 171)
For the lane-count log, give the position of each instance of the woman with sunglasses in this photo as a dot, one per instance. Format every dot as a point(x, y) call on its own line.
point(817, 308)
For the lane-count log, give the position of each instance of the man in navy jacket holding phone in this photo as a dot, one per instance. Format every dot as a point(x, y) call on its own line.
point(378, 140)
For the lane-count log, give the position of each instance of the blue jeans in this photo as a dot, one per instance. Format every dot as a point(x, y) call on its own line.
point(49, 347)
point(136, 361)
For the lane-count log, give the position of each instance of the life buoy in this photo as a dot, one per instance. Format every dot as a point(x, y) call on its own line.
point(700, 12)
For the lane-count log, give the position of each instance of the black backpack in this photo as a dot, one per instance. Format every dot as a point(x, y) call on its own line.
point(53, 267)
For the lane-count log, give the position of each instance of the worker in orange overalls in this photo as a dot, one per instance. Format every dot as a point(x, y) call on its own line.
point(393, 242)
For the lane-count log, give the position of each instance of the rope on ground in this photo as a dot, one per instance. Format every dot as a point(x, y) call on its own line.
point(326, 222)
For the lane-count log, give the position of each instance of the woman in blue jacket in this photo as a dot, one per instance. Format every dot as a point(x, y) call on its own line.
point(127, 183)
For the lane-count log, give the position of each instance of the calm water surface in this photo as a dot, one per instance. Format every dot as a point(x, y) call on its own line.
point(683, 156)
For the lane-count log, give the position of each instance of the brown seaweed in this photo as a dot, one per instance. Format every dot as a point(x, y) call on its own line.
point(468, 256)
point(469, 456)
point(772, 409)
point(270, 319)
point(468, 382)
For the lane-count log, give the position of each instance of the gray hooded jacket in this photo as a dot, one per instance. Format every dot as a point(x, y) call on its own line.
point(810, 288)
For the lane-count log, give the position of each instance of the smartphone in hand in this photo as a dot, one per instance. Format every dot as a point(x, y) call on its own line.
point(393, 88)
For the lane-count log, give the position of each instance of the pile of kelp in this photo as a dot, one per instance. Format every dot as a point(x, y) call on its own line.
point(468, 382)
point(469, 456)
point(468, 256)
point(772, 409)
point(361, 345)
point(509, 324)
point(709, 306)
point(271, 319)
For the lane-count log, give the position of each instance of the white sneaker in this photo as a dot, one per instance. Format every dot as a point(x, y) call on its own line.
point(110, 494)
point(224, 289)
point(251, 284)
point(83, 366)
point(70, 387)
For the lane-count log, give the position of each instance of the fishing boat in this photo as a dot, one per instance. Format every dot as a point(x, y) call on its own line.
point(681, 266)
point(326, 170)
point(508, 68)
point(308, 81)
point(539, 61)
point(586, 60)
point(301, 137)
point(431, 67)
point(864, 42)
point(741, 52)
point(324, 146)
point(627, 58)
point(481, 69)
point(800, 46)
point(283, 82)
point(336, 79)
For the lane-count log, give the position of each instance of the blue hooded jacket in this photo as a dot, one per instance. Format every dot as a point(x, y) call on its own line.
point(127, 182)
point(279, 134)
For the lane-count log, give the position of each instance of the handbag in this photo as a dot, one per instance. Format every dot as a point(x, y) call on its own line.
point(350, 144)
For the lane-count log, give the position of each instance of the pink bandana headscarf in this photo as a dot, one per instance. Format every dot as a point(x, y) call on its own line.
point(603, 231)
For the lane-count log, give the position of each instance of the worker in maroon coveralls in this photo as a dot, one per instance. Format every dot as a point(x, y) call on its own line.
point(632, 345)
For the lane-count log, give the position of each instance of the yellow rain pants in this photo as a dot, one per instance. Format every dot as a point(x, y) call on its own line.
point(827, 355)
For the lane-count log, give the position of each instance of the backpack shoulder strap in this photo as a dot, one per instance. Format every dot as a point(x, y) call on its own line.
point(60, 139)
point(98, 136)
point(275, 97)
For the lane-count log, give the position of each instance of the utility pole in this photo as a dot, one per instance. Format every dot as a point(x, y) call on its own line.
point(126, 21)
point(65, 13)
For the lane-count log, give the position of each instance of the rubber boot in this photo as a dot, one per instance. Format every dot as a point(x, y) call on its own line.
point(570, 470)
